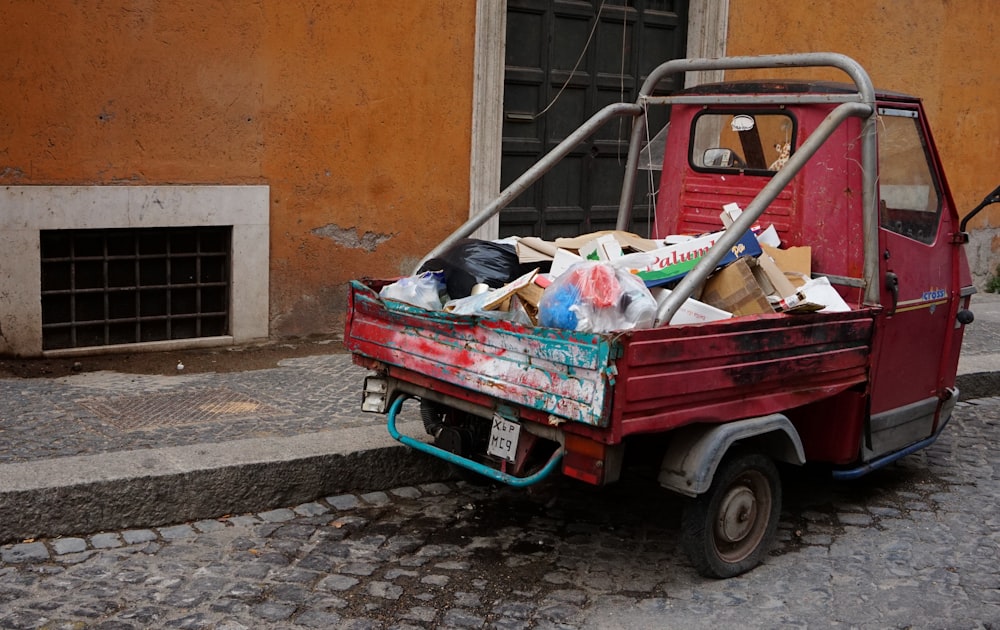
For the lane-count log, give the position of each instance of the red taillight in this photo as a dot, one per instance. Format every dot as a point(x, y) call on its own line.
point(584, 459)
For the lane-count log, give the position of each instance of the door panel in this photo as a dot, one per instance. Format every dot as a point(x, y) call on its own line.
point(914, 335)
point(916, 271)
point(545, 100)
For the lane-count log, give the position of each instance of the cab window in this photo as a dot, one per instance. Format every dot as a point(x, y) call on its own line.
point(909, 199)
point(756, 143)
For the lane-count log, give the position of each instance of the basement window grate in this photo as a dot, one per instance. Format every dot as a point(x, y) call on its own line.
point(119, 286)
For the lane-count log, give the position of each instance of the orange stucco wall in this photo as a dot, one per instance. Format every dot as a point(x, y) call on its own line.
point(357, 114)
point(944, 51)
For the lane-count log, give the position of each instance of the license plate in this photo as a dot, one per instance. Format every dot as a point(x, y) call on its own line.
point(503, 438)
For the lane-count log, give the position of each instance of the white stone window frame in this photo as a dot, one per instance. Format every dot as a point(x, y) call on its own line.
point(27, 210)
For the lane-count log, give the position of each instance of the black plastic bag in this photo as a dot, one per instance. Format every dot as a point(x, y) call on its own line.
point(472, 261)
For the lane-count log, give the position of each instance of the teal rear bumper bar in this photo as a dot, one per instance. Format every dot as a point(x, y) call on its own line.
point(458, 460)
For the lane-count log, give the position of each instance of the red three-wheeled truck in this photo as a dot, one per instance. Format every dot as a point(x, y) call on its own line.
point(847, 170)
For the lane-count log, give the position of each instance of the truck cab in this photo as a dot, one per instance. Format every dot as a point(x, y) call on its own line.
point(727, 153)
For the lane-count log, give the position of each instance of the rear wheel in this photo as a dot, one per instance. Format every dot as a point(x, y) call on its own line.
point(727, 530)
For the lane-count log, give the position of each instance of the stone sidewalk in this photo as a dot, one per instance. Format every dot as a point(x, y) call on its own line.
point(103, 450)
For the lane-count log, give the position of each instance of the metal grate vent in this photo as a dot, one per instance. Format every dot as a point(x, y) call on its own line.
point(117, 286)
point(132, 413)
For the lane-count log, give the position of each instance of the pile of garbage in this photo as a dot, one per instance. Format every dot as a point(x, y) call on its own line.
point(613, 280)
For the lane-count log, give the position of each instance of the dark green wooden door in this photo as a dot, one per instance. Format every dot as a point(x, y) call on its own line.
point(613, 45)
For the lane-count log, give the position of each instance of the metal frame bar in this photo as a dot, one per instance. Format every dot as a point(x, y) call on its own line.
point(533, 174)
point(866, 93)
point(861, 105)
point(748, 99)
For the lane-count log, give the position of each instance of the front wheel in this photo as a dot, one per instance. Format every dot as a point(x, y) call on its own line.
point(727, 530)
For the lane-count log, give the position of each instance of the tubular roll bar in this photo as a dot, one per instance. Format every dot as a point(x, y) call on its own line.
point(533, 174)
point(755, 208)
point(861, 105)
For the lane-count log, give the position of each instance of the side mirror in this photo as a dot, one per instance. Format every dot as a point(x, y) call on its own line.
point(993, 197)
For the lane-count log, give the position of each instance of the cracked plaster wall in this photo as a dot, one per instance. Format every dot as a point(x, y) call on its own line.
point(356, 115)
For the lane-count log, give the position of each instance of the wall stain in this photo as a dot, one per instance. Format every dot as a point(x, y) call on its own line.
point(350, 238)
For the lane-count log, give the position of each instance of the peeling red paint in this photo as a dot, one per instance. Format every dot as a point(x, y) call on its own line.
point(666, 377)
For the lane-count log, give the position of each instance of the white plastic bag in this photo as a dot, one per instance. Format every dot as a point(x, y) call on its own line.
point(423, 291)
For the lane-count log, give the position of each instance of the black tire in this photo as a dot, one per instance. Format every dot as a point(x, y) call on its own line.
point(453, 436)
point(451, 440)
point(727, 530)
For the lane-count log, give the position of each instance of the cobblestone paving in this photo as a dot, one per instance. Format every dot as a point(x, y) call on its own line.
point(914, 545)
point(47, 418)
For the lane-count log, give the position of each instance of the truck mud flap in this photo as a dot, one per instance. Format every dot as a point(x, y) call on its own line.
point(452, 458)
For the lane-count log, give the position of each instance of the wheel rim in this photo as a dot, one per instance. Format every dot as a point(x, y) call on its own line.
point(742, 517)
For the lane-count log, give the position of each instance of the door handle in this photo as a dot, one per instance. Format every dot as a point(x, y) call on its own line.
point(892, 283)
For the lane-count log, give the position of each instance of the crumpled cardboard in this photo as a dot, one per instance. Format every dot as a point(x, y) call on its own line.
point(734, 289)
point(533, 249)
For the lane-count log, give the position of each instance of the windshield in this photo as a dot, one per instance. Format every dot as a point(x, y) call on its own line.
point(651, 158)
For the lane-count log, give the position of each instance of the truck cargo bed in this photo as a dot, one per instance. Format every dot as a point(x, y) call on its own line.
point(564, 373)
point(633, 382)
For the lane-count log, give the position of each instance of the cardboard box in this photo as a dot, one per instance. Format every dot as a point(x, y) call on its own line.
point(734, 289)
point(730, 212)
point(604, 248)
point(780, 291)
point(691, 311)
point(497, 299)
point(627, 240)
point(794, 260)
point(675, 261)
point(768, 236)
point(771, 279)
point(820, 291)
point(563, 260)
point(531, 249)
point(531, 293)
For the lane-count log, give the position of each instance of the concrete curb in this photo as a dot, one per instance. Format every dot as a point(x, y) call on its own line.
point(154, 487)
point(977, 385)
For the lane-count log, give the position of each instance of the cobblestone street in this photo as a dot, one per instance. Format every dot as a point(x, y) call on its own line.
point(914, 545)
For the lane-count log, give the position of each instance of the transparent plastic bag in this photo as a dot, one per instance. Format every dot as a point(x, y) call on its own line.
point(596, 297)
point(423, 290)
